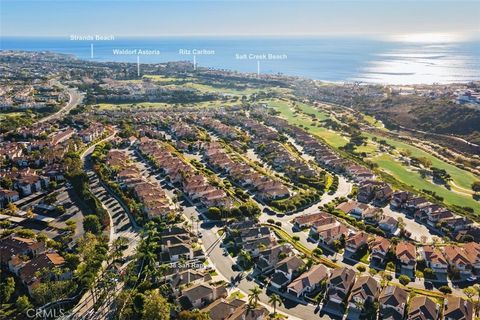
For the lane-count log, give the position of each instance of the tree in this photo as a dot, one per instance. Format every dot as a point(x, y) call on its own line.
point(401, 224)
point(476, 186)
point(253, 297)
point(12, 208)
point(470, 292)
point(274, 301)
point(155, 306)
point(22, 304)
point(404, 280)
point(7, 289)
point(246, 258)
point(91, 223)
point(391, 266)
point(30, 213)
point(193, 315)
point(445, 289)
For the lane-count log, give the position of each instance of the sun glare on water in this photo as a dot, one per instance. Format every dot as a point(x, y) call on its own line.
point(428, 37)
point(420, 58)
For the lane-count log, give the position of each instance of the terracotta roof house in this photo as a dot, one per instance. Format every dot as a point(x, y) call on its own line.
point(379, 248)
point(423, 308)
point(456, 308)
point(331, 232)
point(435, 259)
point(473, 252)
point(304, 221)
point(309, 280)
point(44, 261)
point(393, 301)
point(407, 254)
point(458, 258)
point(13, 245)
point(356, 241)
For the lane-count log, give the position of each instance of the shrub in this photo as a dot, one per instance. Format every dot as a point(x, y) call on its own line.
point(361, 268)
point(445, 289)
point(404, 280)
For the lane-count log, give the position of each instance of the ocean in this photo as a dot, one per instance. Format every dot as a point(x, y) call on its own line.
point(336, 59)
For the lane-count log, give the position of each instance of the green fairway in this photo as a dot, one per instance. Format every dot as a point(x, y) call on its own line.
point(402, 174)
point(462, 178)
point(331, 137)
point(140, 105)
point(5, 115)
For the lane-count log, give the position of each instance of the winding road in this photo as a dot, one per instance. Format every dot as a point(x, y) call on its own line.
point(76, 98)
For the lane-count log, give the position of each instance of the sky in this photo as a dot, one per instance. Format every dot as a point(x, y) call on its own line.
point(122, 18)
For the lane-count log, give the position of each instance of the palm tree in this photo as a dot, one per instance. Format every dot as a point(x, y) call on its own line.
point(477, 287)
point(253, 297)
point(274, 301)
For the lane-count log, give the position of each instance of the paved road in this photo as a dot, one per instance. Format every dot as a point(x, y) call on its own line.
point(75, 99)
point(122, 225)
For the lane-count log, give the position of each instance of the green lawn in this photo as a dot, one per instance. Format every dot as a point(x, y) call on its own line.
point(332, 138)
point(374, 122)
point(461, 177)
point(4, 115)
point(395, 168)
point(205, 104)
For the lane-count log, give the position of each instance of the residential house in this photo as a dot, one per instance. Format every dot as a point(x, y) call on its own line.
point(456, 308)
point(7, 196)
point(392, 301)
point(473, 253)
point(406, 253)
point(399, 198)
point(435, 259)
point(201, 295)
point(379, 248)
point(458, 259)
point(13, 245)
point(268, 258)
point(423, 308)
point(308, 281)
point(306, 221)
point(43, 262)
point(339, 285)
point(327, 234)
point(355, 241)
point(365, 290)
point(388, 224)
point(286, 270)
